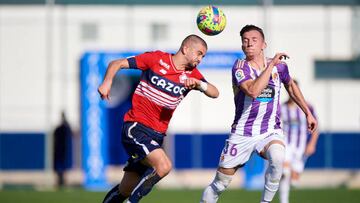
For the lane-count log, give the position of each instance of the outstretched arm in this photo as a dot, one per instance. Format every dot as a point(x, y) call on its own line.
point(113, 67)
point(297, 96)
point(208, 89)
point(253, 88)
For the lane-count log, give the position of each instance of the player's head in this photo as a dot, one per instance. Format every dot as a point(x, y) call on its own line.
point(193, 48)
point(253, 40)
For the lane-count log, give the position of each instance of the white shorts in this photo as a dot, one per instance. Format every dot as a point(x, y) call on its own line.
point(295, 158)
point(238, 149)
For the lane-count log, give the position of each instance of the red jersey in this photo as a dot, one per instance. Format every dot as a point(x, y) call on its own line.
point(160, 90)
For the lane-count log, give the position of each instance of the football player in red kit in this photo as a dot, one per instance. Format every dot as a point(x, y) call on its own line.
point(165, 80)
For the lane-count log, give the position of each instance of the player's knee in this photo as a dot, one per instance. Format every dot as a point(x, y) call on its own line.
point(164, 168)
point(221, 182)
point(276, 154)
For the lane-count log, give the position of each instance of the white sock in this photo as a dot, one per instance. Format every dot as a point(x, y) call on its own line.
point(276, 155)
point(219, 184)
point(284, 188)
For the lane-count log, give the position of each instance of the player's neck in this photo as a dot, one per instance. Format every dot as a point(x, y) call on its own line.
point(257, 62)
point(178, 64)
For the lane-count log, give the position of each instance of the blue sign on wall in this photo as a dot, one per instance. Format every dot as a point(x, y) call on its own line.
point(93, 122)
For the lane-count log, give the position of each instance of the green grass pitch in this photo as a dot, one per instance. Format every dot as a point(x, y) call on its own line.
point(178, 196)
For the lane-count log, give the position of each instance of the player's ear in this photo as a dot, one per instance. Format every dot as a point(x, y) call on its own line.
point(264, 46)
point(184, 49)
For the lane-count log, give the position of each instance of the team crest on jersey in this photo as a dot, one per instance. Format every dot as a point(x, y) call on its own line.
point(183, 77)
point(275, 76)
point(239, 74)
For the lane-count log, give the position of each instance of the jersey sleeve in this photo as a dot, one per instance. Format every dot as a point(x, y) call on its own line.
point(240, 72)
point(142, 61)
point(284, 73)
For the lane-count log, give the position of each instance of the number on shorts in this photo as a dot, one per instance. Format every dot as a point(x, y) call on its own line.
point(233, 150)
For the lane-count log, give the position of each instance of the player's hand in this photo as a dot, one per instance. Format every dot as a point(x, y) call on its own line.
point(104, 90)
point(310, 149)
point(312, 123)
point(278, 57)
point(191, 83)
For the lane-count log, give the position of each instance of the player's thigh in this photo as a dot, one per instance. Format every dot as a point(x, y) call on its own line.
point(139, 140)
point(235, 154)
point(263, 145)
point(159, 160)
point(129, 182)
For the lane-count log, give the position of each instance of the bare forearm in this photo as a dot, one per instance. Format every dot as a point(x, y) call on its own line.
point(254, 88)
point(211, 91)
point(297, 96)
point(314, 138)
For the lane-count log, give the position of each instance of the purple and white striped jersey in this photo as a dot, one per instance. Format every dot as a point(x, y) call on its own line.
point(262, 114)
point(295, 126)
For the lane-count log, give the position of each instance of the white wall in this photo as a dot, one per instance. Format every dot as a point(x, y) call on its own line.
point(40, 50)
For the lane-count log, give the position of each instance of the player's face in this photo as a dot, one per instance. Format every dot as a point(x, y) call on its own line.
point(253, 43)
point(195, 53)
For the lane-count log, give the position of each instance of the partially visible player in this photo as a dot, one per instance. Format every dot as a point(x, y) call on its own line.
point(298, 145)
point(256, 128)
point(165, 80)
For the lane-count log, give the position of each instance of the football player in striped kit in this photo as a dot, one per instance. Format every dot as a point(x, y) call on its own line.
point(299, 146)
point(165, 80)
point(256, 128)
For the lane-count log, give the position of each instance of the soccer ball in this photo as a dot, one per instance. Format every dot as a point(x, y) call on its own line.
point(211, 20)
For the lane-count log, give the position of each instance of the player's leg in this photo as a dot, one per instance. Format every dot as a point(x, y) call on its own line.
point(221, 181)
point(297, 168)
point(236, 153)
point(143, 144)
point(295, 176)
point(122, 191)
point(161, 167)
point(274, 152)
point(285, 183)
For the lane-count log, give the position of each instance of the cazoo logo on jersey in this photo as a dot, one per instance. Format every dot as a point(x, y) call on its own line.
point(166, 85)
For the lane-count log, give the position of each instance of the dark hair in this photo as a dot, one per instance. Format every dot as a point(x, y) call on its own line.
point(248, 28)
point(194, 38)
